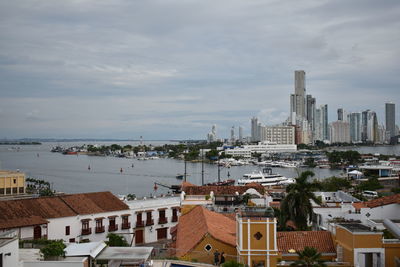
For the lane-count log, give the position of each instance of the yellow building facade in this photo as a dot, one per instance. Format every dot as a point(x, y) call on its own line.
point(12, 183)
point(256, 238)
point(357, 244)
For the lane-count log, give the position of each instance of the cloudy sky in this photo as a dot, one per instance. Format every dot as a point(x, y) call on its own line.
point(169, 69)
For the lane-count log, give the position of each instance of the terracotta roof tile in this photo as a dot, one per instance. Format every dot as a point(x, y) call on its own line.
point(193, 226)
point(382, 201)
point(298, 240)
point(32, 211)
point(220, 190)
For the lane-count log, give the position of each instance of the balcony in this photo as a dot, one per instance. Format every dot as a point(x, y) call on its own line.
point(112, 228)
point(87, 231)
point(100, 229)
point(126, 225)
point(162, 220)
point(149, 222)
point(140, 224)
point(174, 219)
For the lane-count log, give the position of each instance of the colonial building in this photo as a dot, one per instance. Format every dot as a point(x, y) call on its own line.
point(153, 218)
point(72, 218)
point(201, 232)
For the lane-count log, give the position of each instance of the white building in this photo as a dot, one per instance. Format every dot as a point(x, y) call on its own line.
point(8, 249)
point(340, 132)
point(262, 148)
point(72, 218)
point(153, 218)
point(279, 134)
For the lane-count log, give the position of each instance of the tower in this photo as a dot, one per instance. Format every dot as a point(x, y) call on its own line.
point(256, 237)
point(390, 120)
point(297, 100)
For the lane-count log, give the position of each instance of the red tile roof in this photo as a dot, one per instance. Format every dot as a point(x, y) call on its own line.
point(220, 190)
point(382, 201)
point(298, 240)
point(33, 211)
point(194, 226)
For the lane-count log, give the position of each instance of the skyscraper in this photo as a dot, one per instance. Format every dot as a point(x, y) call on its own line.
point(355, 127)
point(324, 121)
point(310, 104)
point(390, 120)
point(297, 100)
point(255, 136)
point(340, 114)
point(240, 133)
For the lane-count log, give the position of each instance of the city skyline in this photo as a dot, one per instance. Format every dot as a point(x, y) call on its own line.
point(170, 70)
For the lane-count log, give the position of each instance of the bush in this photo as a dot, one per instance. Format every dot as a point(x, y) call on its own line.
point(116, 241)
point(54, 249)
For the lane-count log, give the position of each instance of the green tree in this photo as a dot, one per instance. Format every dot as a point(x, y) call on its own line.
point(371, 184)
point(53, 249)
point(115, 240)
point(309, 257)
point(296, 206)
point(334, 184)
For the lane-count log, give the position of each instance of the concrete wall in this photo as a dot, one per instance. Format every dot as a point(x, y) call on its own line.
point(12, 248)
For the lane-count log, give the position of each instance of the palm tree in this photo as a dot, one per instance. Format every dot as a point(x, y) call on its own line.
point(296, 206)
point(309, 257)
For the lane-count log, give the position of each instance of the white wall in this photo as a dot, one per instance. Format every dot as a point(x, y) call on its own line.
point(13, 259)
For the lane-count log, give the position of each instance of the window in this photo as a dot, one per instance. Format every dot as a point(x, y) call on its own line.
point(72, 240)
point(208, 247)
point(67, 230)
point(149, 219)
point(174, 215)
point(99, 226)
point(162, 219)
point(85, 225)
point(15, 190)
point(21, 190)
point(125, 222)
point(15, 181)
point(162, 233)
point(258, 235)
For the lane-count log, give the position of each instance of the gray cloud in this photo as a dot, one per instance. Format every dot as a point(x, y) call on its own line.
point(170, 69)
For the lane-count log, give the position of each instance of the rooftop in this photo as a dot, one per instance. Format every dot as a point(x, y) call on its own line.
point(125, 253)
point(153, 202)
point(190, 189)
point(355, 227)
point(257, 212)
point(34, 211)
point(298, 240)
point(194, 225)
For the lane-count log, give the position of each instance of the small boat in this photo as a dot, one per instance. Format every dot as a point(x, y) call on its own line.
point(179, 176)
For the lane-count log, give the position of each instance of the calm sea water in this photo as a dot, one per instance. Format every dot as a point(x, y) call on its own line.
point(70, 174)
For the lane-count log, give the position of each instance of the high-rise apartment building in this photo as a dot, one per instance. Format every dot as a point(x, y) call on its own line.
point(310, 104)
point(283, 135)
point(355, 127)
point(255, 133)
point(324, 122)
point(369, 126)
point(390, 120)
point(340, 132)
point(240, 133)
point(297, 100)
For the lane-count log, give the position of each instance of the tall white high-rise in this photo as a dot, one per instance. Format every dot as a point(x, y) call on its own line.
point(255, 133)
point(240, 133)
point(355, 127)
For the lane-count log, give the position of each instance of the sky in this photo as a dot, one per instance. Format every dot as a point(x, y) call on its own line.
point(170, 69)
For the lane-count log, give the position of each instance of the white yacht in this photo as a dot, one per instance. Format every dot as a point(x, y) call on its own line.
point(265, 178)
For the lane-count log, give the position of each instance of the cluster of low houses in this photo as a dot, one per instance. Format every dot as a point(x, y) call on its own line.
point(193, 225)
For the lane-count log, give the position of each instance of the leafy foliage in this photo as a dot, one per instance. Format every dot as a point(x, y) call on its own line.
point(53, 249)
point(115, 240)
point(334, 184)
point(348, 157)
point(309, 257)
point(371, 184)
point(296, 206)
